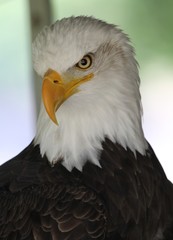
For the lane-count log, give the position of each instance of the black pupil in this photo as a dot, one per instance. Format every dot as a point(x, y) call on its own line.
point(83, 62)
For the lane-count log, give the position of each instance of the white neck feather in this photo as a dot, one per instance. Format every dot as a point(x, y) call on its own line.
point(88, 117)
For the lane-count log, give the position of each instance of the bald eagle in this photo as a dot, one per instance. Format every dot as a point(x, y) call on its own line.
point(89, 173)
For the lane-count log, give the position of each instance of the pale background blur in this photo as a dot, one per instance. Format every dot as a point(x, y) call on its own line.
point(150, 27)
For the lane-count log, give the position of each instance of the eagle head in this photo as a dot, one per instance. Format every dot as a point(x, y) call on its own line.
point(90, 91)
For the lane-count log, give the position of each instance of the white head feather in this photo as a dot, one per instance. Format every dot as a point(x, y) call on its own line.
point(108, 106)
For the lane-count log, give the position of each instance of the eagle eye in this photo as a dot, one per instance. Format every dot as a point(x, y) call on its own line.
point(85, 62)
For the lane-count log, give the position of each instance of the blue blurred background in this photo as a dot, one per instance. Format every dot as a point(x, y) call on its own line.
point(149, 25)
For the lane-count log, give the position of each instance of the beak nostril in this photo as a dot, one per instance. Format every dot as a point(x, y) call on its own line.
point(56, 81)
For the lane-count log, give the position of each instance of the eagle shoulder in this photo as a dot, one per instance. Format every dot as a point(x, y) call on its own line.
point(41, 202)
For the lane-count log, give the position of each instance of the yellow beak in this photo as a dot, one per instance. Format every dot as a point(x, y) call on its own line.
point(55, 91)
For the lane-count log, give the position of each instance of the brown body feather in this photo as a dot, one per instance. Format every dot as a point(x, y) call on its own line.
point(128, 198)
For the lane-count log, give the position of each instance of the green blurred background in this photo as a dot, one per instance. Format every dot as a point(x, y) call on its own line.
point(149, 24)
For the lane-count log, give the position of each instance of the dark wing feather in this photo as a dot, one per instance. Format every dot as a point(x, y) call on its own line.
point(47, 212)
point(41, 202)
point(127, 198)
point(136, 192)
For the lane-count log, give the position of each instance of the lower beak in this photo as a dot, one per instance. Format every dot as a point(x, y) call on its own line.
point(55, 91)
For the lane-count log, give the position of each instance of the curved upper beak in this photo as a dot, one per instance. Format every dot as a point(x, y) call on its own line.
point(55, 91)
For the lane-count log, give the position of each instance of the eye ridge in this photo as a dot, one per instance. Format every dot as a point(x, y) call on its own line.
point(85, 62)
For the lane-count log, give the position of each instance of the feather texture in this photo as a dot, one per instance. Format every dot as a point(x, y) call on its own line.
point(127, 197)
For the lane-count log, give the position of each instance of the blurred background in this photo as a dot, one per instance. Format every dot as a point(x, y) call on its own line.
point(149, 25)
